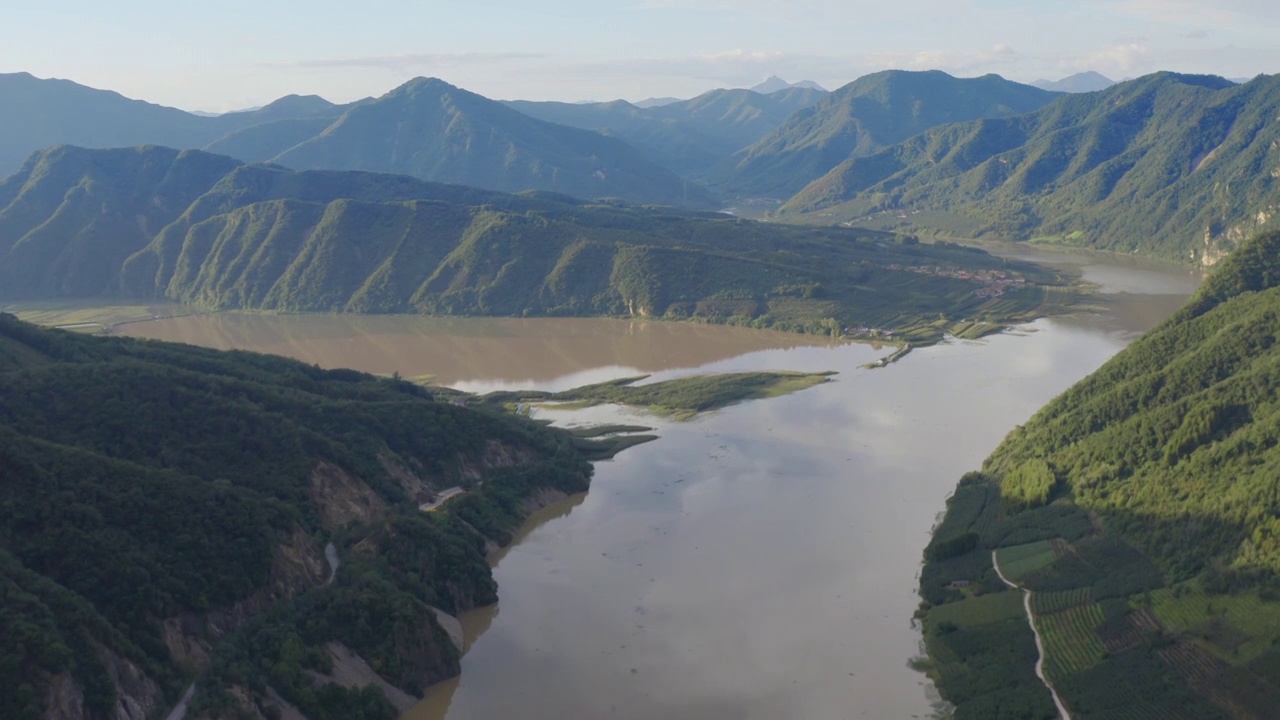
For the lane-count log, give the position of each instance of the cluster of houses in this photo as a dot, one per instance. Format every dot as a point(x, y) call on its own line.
point(994, 283)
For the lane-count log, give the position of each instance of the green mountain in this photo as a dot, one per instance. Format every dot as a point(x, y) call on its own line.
point(206, 230)
point(866, 115)
point(1141, 508)
point(1178, 166)
point(170, 515)
point(432, 130)
point(37, 113)
point(687, 136)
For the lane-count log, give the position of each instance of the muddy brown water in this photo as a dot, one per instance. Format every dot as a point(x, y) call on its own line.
point(757, 562)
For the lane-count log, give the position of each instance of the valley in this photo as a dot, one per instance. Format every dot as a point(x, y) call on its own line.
point(435, 406)
point(698, 510)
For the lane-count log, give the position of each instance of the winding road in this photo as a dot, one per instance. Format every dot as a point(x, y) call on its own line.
point(1031, 620)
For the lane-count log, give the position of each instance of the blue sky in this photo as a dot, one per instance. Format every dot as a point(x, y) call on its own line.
point(238, 53)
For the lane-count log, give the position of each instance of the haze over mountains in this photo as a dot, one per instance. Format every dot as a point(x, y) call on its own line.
point(688, 136)
point(1089, 81)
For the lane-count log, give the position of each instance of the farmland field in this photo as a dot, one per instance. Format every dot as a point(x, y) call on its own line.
point(1070, 643)
point(1019, 560)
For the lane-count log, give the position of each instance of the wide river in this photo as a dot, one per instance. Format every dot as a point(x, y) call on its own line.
point(757, 562)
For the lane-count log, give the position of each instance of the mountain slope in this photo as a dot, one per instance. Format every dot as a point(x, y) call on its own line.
point(434, 131)
point(1178, 166)
point(687, 136)
point(37, 113)
point(164, 511)
point(1141, 508)
point(862, 117)
point(203, 229)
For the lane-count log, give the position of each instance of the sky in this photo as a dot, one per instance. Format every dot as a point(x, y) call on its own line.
point(233, 54)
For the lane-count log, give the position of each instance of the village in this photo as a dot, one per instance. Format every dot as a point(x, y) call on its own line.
point(994, 283)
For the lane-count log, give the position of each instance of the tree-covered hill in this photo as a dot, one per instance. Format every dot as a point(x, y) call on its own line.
point(688, 136)
point(1142, 509)
point(206, 230)
point(868, 114)
point(432, 130)
point(164, 513)
point(1178, 166)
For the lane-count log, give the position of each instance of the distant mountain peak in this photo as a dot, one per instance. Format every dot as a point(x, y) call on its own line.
point(656, 102)
point(1088, 81)
point(774, 84)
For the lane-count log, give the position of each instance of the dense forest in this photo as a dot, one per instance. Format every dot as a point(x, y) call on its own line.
point(1140, 509)
point(1182, 167)
point(164, 514)
point(211, 232)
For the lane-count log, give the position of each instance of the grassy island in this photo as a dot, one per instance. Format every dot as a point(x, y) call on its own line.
point(681, 398)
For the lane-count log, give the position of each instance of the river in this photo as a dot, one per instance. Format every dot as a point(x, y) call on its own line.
point(757, 562)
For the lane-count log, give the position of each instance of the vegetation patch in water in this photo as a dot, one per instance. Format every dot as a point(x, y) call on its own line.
point(680, 398)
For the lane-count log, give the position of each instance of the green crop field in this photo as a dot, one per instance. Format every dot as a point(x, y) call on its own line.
point(1070, 643)
point(1044, 603)
point(1217, 618)
point(1019, 560)
point(980, 610)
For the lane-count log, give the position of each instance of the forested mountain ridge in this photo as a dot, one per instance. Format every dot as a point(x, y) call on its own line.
point(687, 136)
point(426, 128)
point(870, 113)
point(432, 130)
point(164, 511)
point(205, 230)
point(37, 113)
point(1177, 166)
point(1140, 507)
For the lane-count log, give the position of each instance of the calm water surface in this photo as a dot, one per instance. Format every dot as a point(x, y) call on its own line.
point(759, 562)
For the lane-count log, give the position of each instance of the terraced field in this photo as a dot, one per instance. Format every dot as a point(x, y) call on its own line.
point(1070, 643)
point(1043, 603)
point(1222, 620)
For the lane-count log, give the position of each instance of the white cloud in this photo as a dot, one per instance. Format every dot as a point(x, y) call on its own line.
point(1122, 58)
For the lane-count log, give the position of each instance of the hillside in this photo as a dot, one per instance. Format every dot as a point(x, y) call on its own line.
point(1177, 166)
point(868, 114)
point(165, 512)
point(688, 136)
point(37, 113)
point(205, 230)
point(1140, 508)
point(432, 130)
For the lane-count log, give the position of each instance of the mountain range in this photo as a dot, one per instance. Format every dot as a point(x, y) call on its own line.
point(688, 136)
point(866, 115)
point(37, 113)
point(210, 231)
point(1177, 166)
